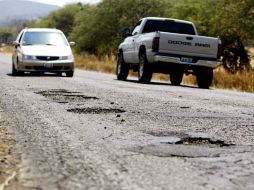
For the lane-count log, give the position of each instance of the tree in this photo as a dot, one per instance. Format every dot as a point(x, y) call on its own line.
point(62, 19)
point(98, 29)
point(229, 19)
point(6, 35)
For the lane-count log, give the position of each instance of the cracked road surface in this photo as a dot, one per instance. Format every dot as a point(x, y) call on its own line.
point(94, 132)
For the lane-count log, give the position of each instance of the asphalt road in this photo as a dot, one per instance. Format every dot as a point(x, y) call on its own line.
point(94, 132)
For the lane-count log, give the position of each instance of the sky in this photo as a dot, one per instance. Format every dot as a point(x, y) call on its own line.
point(64, 2)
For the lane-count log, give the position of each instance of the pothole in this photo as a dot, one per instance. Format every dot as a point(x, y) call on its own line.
point(188, 138)
point(56, 91)
point(95, 110)
point(185, 144)
point(64, 96)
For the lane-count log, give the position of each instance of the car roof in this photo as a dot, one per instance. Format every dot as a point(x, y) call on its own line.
point(41, 30)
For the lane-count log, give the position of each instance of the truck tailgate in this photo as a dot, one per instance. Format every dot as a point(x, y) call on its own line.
point(188, 45)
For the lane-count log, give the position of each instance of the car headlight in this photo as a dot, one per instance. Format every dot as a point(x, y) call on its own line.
point(70, 57)
point(28, 57)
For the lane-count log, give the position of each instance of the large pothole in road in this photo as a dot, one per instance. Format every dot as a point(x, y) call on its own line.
point(64, 96)
point(95, 110)
point(184, 144)
point(188, 138)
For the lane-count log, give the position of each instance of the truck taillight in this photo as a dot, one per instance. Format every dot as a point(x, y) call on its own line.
point(220, 50)
point(156, 43)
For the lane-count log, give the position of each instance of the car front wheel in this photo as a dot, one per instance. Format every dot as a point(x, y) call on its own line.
point(14, 70)
point(70, 73)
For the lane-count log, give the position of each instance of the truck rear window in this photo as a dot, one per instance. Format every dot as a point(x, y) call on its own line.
point(168, 26)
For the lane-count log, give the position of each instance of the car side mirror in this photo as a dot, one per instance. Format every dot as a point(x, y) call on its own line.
point(72, 44)
point(16, 44)
point(127, 32)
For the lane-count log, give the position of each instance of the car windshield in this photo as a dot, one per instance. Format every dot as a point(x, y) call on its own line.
point(168, 26)
point(44, 38)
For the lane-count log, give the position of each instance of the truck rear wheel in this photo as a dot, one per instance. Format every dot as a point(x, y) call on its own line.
point(144, 70)
point(204, 77)
point(176, 77)
point(122, 69)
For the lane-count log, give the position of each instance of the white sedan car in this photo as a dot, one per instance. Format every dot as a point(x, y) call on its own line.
point(42, 50)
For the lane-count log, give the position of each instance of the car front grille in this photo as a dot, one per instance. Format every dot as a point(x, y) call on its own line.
point(47, 58)
point(55, 68)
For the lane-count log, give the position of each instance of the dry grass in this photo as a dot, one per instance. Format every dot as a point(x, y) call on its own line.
point(6, 50)
point(93, 63)
point(243, 81)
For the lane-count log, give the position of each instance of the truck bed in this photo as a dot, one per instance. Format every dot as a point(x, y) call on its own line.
point(188, 45)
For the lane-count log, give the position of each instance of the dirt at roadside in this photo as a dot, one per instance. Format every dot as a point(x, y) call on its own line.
point(9, 160)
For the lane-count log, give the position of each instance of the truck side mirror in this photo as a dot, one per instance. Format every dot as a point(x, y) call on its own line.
point(127, 32)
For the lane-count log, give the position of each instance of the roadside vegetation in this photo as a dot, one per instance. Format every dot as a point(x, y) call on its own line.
point(97, 30)
point(7, 50)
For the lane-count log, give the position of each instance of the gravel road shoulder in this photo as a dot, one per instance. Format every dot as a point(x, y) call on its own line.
point(9, 159)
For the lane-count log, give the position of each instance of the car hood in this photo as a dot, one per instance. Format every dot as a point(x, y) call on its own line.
point(47, 50)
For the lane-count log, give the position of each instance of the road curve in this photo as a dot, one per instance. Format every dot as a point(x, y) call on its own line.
point(94, 132)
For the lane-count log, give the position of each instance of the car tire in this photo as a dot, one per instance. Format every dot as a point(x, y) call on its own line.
point(122, 69)
point(59, 74)
point(14, 70)
point(70, 73)
point(204, 77)
point(176, 77)
point(144, 70)
point(20, 73)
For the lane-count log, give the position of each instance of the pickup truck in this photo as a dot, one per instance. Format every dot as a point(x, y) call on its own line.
point(169, 46)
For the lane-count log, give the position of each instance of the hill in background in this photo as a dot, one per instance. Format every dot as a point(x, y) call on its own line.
point(23, 10)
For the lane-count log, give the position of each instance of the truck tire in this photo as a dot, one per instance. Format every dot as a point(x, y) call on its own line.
point(144, 70)
point(176, 77)
point(204, 77)
point(122, 69)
